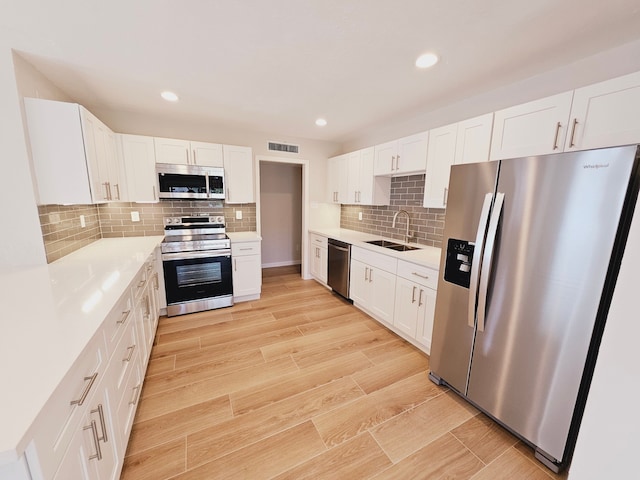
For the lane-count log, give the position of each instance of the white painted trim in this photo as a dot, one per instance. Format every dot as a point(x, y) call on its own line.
point(288, 263)
point(305, 202)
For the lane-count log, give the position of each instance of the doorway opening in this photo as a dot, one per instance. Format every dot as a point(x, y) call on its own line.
point(282, 211)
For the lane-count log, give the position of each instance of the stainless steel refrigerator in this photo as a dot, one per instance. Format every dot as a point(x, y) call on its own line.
point(531, 252)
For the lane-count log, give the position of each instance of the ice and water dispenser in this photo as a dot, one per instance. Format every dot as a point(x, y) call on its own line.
point(457, 267)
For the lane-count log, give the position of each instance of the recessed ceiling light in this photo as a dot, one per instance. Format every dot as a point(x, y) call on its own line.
point(321, 122)
point(169, 96)
point(426, 60)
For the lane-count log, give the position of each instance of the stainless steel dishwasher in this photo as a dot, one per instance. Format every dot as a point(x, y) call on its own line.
point(339, 258)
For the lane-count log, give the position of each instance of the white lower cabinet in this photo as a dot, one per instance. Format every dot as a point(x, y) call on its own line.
point(83, 430)
point(415, 302)
point(318, 246)
point(373, 282)
point(247, 270)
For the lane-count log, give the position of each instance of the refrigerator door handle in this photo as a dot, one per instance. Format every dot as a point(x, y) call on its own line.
point(487, 259)
point(477, 253)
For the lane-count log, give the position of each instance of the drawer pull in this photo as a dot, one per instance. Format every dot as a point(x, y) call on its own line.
point(141, 283)
point(130, 349)
point(85, 392)
point(100, 413)
point(124, 317)
point(96, 441)
point(134, 400)
point(421, 276)
point(245, 249)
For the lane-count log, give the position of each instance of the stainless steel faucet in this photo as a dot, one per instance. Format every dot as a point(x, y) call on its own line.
point(407, 234)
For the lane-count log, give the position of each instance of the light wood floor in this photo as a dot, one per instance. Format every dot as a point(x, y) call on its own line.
point(301, 384)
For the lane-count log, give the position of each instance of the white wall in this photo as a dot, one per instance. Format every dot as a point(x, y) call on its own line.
point(608, 440)
point(606, 65)
point(281, 213)
point(21, 240)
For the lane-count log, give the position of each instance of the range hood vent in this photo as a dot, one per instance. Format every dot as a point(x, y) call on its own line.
point(283, 147)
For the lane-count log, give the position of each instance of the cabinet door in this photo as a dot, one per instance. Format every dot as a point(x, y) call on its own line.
point(534, 128)
point(353, 178)
point(385, 158)
point(605, 114)
point(405, 316)
point(139, 157)
point(383, 294)
point(426, 312)
point(333, 172)
point(239, 176)
point(107, 467)
point(412, 154)
point(440, 157)
point(207, 154)
point(172, 150)
point(116, 170)
point(247, 275)
point(75, 463)
point(373, 190)
point(96, 154)
point(58, 153)
point(359, 288)
point(323, 263)
point(473, 141)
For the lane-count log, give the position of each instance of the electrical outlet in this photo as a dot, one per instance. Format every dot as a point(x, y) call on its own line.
point(82, 222)
point(135, 216)
point(359, 215)
point(238, 214)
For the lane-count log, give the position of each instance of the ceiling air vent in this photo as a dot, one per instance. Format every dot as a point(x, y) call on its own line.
point(283, 147)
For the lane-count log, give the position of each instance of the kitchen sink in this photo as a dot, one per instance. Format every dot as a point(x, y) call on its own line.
point(392, 245)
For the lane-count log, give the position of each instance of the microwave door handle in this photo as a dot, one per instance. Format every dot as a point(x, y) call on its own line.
point(475, 262)
point(206, 184)
point(487, 259)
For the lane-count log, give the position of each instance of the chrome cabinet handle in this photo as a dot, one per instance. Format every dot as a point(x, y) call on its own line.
point(186, 150)
point(106, 190)
point(118, 191)
point(445, 196)
point(413, 295)
point(370, 275)
point(134, 400)
point(130, 349)
point(96, 440)
point(156, 281)
point(235, 264)
point(195, 161)
point(555, 140)
point(397, 162)
point(141, 283)
point(124, 317)
point(420, 298)
point(147, 312)
point(393, 158)
point(85, 392)
point(573, 133)
point(366, 271)
point(419, 275)
point(100, 413)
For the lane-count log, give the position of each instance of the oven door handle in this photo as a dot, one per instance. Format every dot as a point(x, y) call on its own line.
point(202, 254)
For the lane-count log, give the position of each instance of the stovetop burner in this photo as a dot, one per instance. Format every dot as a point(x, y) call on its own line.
point(194, 233)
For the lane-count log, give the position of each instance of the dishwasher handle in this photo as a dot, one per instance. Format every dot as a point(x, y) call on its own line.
point(342, 249)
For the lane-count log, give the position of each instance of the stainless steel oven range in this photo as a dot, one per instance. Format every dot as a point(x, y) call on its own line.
point(196, 257)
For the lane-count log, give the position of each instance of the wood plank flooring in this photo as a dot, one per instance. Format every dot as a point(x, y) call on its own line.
point(302, 385)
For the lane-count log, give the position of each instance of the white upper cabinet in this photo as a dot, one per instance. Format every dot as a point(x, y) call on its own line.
point(363, 187)
point(207, 154)
point(138, 153)
point(185, 152)
point(402, 157)
point(338, 173)
point(238, 174)
point(605, 114)
point(465, 142)
point(74, 154)
point(535, 128)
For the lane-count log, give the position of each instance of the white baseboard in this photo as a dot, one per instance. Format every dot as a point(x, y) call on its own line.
point(281, 264)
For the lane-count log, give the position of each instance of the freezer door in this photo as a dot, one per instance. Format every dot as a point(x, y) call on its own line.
point(469, 186)
point(553, 247)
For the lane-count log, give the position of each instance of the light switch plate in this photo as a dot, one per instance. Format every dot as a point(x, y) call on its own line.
point(135, 216)
point(82, 222)
point(359, 215)
point(238, 214)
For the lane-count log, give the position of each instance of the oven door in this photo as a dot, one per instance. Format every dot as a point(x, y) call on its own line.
point(190, 276)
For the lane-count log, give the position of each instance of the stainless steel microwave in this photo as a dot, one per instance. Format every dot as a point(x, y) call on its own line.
point(189, 181)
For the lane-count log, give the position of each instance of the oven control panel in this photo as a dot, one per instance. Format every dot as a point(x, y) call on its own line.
point(200, 220)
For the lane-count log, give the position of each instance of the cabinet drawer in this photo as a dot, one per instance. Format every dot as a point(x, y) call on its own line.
point(60, 417)
point(374, 259)
point(125, 356)
point(116, 322)
point(245, 248)
point(418, 273)
point(143, 276)
point(318, 240)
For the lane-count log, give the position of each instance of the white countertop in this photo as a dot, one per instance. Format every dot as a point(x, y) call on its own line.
point(427, 256)
point(244, 236)
point(49, 314)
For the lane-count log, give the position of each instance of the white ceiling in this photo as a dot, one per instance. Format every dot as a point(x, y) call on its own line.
point(276, 65)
